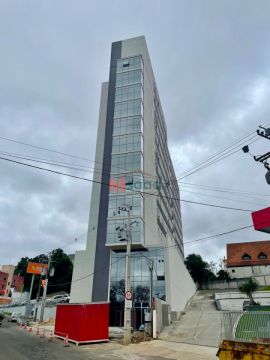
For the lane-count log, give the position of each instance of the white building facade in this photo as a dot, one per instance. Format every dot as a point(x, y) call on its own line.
point(132, 168)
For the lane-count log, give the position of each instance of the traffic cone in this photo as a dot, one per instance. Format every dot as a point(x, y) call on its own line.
point(66, 343)
point(30, 329)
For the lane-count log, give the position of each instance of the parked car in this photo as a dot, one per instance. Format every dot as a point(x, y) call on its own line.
point(246, 305)
point(14, 317)
point(57, 299)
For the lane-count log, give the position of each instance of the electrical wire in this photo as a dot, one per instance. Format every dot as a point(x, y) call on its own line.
point(224, 198)
point(217, 156)
point(119, 187)
point(166, 247)
point(207, 163)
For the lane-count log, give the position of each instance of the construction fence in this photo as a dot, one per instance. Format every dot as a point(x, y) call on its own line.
point(248, 326)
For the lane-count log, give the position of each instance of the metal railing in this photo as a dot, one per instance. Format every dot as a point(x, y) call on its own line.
point(249, 326)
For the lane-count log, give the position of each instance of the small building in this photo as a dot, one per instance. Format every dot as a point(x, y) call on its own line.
point(9, 281)
point(248, 259)
point(17, 283)
point(3, 282)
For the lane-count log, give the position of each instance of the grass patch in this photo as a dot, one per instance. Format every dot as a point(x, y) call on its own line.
point(265, 288)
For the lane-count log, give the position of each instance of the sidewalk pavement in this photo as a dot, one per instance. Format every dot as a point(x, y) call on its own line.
point(152, 350)
point(149, 350)
point(201, 324)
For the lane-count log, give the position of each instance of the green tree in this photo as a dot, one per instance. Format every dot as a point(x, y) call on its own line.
point(61, 280)
point(223, 275)
point(63, 268)
point(248, 288)
point(199, 269)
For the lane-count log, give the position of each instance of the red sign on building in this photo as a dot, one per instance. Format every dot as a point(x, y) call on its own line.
point(261, 220)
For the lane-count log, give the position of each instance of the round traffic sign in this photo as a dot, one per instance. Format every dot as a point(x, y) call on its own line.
point(128, 295)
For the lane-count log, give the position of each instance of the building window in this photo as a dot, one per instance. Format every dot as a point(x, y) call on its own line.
point(128, 93)
point(112, 233)
point(246, 257)
point(262, 256)
point(127, 143)
point(128, 108)
point(129, 64)
point(127, 125)
point(130, 162)
point(129, 78)
point(125, 63)
point(140, 279)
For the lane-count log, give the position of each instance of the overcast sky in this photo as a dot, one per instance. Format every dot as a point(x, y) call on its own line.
point(211, 61)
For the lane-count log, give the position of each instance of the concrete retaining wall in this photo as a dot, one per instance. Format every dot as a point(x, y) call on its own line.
point(49, 312)
point(233, 301)
point(263, 280)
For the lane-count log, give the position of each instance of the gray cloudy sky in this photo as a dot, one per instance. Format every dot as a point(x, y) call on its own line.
point(211, 61)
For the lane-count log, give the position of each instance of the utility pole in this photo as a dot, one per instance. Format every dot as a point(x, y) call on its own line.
point(127, 335)
point(128, 228)
point(37, 300)
point(265, 133)
point(45, 289)
point(31, 288)
point(151, 267)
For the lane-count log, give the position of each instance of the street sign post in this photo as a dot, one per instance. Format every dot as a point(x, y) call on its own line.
point(36, 268)
point(128, 304)
point(128, 295)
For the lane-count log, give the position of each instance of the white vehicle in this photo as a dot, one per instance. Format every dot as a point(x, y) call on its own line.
point(15, 316)
point(57, 299)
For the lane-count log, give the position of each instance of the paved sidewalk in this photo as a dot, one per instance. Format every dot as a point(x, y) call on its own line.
point(152, 350)
point(201, 324)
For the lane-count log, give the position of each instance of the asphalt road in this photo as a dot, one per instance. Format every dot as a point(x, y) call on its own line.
point(18, 344)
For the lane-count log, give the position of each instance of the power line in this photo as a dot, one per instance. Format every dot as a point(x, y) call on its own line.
point(217, 156)
point(85, 169)
point(118, 186)
point(221, 189)
point(216, 159)
point(224, 198)
point(103, 164)
point(165, 247)
point(73, 167)
point(226, 148)
point(220, 234)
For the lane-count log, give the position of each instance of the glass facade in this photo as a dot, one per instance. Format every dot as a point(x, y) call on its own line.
point(128, 125)
point(112, 234)
point(129, 78)
point(140, 280)
point(127, 143)
point(128, 93)
point(127, 150)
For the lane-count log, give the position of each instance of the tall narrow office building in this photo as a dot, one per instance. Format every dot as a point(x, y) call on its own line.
point(132, 168)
